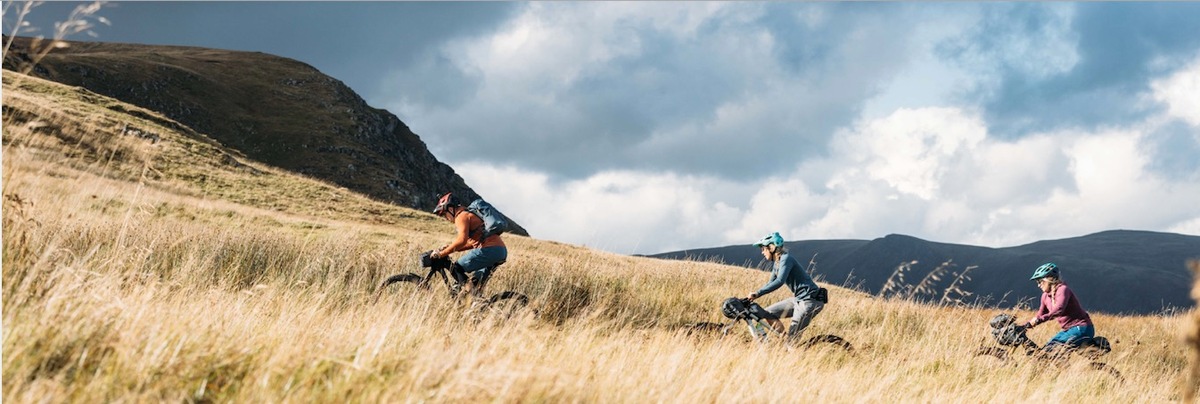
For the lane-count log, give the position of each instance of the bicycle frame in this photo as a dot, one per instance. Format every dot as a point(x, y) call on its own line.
point(438, 268)
point(445, 279)
point(759, 328)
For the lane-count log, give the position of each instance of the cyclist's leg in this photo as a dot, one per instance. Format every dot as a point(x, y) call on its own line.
point(1079, 334)
point(805, 311)
point(1069, 338)
point(458, 273)
point(781, 309)
point(477, 262)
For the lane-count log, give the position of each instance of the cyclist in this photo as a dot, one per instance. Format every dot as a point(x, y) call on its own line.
point(1059, 302)
point(807, 301)
point(472, 268)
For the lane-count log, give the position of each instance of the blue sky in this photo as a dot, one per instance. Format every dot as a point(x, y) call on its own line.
point(643, 127)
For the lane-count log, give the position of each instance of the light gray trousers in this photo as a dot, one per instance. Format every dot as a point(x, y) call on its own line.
point(802, 313)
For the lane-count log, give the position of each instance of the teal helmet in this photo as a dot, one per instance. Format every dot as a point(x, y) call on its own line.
point(772, 239)
point(1047, 269)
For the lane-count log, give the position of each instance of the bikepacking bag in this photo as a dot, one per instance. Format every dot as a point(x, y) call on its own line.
point(427, 261)
point(494, 222)
point(1006, 331)
point(821, 295)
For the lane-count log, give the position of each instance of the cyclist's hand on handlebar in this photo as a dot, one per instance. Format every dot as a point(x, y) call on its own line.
point(753, 295)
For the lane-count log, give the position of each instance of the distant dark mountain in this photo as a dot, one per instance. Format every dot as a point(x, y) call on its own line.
point(275, 110)
point(1118, 271)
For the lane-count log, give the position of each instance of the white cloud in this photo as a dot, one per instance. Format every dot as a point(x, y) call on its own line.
point(932, 173)
point(626, 212)
point(704, 88)
point(710, 85)
point(1181, 93)
point(908, 149)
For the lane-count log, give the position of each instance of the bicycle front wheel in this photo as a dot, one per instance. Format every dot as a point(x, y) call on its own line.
point(401, 278)
point(403, 282)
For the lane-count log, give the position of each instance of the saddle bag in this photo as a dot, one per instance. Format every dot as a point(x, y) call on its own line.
point(821, 295)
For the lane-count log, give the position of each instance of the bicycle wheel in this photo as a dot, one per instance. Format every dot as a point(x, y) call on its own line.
point(995, 352)
point(409, 277)
point(829, 339)
point(1102, 367)
point(397, 282)
point(705, 328)
point(505, 305)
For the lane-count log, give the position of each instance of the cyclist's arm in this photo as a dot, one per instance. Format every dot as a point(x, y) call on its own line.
point(1040, 317)
point(776, 280)
point(1061, 295)
point(460, 241)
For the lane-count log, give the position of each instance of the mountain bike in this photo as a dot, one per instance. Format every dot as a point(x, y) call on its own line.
point(754, 317)
point(503, 305)
point(1011, 337)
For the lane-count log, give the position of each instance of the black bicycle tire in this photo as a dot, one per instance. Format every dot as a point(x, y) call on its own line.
point(511, 301)
point(401, 278)
point(1103, 367)
point(705, 328)
point(509, 295)
point(995, 352)
point(831, 340)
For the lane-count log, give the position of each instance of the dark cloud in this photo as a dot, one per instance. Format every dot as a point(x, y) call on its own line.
point(706, 103)
point(1119, 48)
point(354, 42)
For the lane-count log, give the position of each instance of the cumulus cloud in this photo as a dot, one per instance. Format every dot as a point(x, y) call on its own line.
point(946, 171)
point(646, 127)
point(1052, 66)
point(722, 89)
point(1180, 92)
point(934, 173)
point(617, 211)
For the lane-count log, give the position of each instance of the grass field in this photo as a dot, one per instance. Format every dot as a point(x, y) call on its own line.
point(143, 262)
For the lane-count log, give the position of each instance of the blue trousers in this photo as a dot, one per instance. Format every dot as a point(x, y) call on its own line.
point(477, 262)
point(1071, 337)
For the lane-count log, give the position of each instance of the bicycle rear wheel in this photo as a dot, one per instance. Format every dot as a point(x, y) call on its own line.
point(706, 329)
point(831, 340)
point(505, 305)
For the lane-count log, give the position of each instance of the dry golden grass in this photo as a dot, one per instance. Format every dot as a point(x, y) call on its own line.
point(129, 276)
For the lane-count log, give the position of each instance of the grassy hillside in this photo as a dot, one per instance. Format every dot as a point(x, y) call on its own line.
point(274, 110)
point(143, 262)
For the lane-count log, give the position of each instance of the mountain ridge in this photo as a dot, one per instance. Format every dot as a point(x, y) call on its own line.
point(272, 109)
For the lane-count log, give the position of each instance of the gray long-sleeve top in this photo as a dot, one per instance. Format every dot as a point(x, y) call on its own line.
point(788, 271)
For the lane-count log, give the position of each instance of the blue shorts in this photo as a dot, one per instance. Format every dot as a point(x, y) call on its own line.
point(1072, 336)
point(476, 262)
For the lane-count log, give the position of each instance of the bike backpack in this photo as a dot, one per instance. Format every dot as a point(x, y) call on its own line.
point(1007, 332)
point(494, 222)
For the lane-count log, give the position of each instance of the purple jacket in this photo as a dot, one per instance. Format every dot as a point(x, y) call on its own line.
point(1063, 306)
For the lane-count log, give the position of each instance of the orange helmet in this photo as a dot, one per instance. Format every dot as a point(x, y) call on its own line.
point(447, 201)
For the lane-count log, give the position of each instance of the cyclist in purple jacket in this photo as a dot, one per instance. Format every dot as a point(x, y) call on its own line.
point(1059, 303)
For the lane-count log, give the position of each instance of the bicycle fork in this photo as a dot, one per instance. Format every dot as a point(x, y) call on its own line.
point(759, 329)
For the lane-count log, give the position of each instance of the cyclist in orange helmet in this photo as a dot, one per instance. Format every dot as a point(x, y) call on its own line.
point(472, 268)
